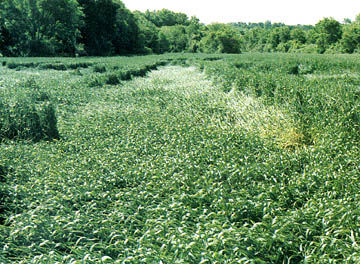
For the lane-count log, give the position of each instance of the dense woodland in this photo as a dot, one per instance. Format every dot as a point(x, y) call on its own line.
point(107, 27)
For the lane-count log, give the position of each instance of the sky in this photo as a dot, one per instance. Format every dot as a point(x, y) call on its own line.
point(306, 12)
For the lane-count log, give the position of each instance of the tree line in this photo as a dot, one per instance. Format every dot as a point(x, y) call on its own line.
point(107, 27)
point(327, 36)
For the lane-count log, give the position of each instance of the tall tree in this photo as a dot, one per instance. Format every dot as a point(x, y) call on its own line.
point(350, 41)
point(220, 38)
point(127, 32)
point(176, 36)
point(61, 22)
point(165, 17)
point(5, 40)
point(195, 33)
point(109, 28)
point(298, 34)
point(255, 39)
point(329, 31)
point(100, 25)
point(279, 35)
point(42, 27)
point(149, 34)
point(357, 19)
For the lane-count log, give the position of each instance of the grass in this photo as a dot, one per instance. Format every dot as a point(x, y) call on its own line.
point(27, 113)
point(235, 159)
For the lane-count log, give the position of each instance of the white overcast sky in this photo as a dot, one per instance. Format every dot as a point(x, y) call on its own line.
point(224, 11)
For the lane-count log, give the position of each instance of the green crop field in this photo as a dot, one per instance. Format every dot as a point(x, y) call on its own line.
point(181, 158)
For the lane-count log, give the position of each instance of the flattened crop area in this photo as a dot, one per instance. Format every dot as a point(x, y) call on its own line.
point(173, 168)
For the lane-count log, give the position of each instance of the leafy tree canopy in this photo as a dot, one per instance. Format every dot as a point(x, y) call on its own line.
point(220, 38)
point(109, 28)
point(350, 41)
point(330, 28)
point(42, 27)
point(166, 17)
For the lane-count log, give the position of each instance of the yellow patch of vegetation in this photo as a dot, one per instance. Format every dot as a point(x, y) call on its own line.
point(273, 124)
